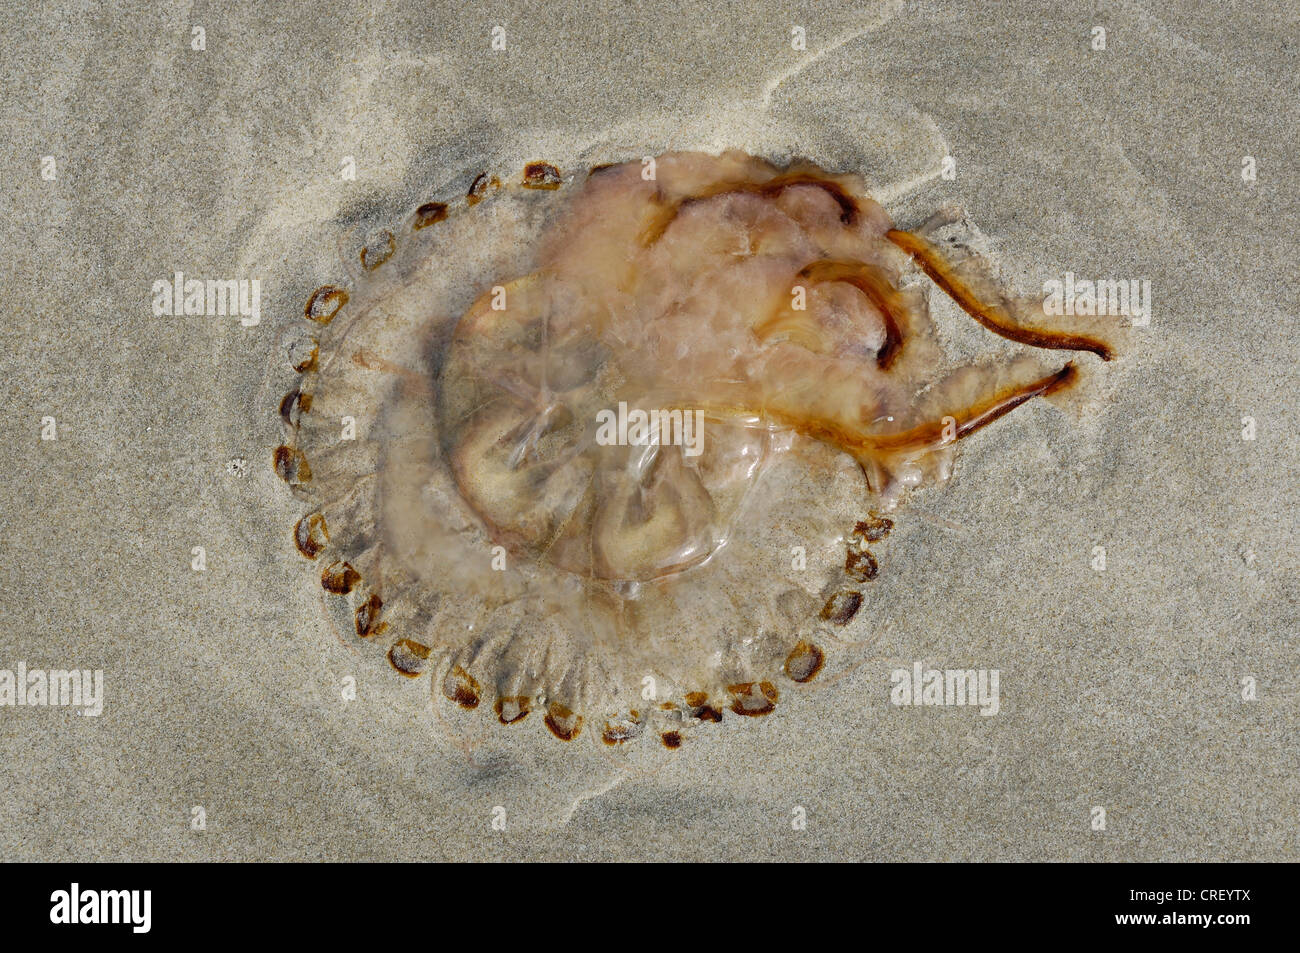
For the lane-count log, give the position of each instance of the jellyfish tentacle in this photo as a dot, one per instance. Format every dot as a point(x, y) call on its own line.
point(971, 418)
point(920, 437)
point(884, 456)
point(993, 317)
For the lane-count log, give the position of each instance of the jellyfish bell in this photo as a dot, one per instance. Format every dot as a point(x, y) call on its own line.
point(469, 502)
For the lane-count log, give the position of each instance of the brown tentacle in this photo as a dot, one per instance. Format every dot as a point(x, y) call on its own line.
point(993, 317)
point(973, 418)
point(929, 434)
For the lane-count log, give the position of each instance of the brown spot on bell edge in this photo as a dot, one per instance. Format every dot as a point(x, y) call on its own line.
point(324, 303)
point(310, 535)
point(409, 658)
point(430, 213)
point(542, 175)
point(290, 465)
point(479, 187)
point(293, 406)
point(753, 699)
point(304, 365)
point(873, 529)
point(860, 565)
point(378, 251)
point(513, 708)
point(620, 733)
point(339, 578)
point(461, 687)
point(699, 707)
point(842, 607)
point(563, 722)
point(366, 618)
point(804, 662)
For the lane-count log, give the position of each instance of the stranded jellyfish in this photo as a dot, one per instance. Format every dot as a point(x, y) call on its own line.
point(613, 450)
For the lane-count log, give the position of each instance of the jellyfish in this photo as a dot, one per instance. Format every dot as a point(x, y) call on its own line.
point(611, 452)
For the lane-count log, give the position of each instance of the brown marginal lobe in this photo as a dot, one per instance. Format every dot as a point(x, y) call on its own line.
point(379, 251)
point(308, 363)
point(291, 465)
point(699, 707)
point(542, 175)
point(753, 699)
point(859, 564)
point(339, 578)
point(324, 303)
point(513, 708)
point(409, 658)
point(873, 529)
point(617, 734)
point(479, 187)
point(461, 687)
point(842, 607)
point(430, 213)
point(366, 618)
point(293, 406)
point(310, 535)
point(563, 722)
point(804, 662)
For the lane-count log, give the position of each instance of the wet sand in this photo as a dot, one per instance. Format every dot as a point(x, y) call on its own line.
point(1120, 689)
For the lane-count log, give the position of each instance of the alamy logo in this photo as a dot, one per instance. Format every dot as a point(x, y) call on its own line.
point(954, 686)
point(213, 296)
point(75, 688)
point(1128, 298)
point(640, 428)
point(103, 906)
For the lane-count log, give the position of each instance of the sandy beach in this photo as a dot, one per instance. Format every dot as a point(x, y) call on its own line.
point(147, 536)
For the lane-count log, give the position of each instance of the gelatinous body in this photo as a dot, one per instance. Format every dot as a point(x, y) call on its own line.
point(617, 441)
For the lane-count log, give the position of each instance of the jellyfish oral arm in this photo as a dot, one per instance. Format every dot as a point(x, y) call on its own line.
point(994, 317)
point(866, 445)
